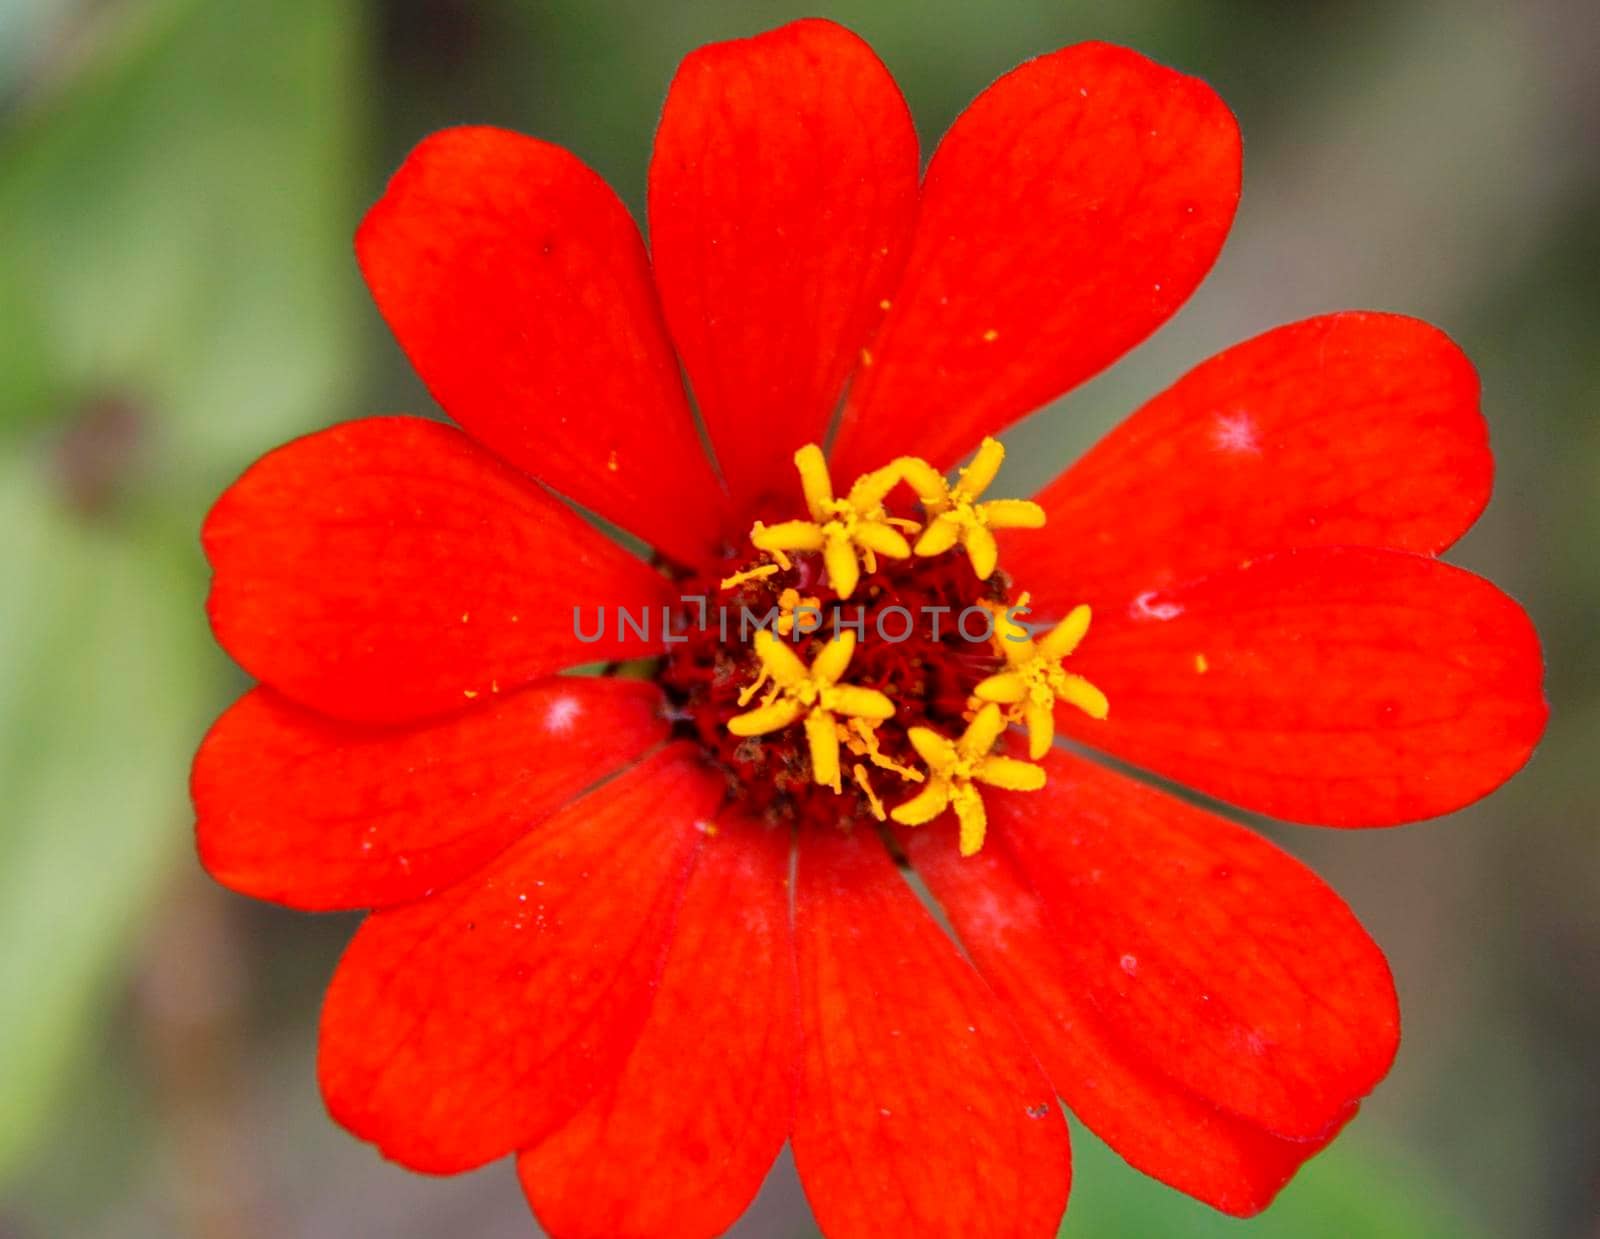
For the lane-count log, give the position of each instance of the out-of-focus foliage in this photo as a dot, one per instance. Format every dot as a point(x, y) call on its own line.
point(179, 180)
point(177, 227)
point(97, 650)
point(174, 297)
point(1343, 1193)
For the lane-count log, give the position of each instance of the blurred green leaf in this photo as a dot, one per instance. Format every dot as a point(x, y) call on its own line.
point(177, 245)
point(180, 222)
point(29, 373)
point(98, 632)
point(1353, 1189)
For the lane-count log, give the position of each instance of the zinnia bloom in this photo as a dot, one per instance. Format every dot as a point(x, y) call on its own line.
point(641, 928)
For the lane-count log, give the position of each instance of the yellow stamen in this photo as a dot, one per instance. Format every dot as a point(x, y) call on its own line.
point(859, 773)
point(748, 693)
point(1034, 680)
point(749, 574)
point(861, 738)
point(847, 531)
point(956, 516)
point(813, 693)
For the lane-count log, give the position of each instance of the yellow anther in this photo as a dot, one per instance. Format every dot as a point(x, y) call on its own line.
point(794, 609)
point(956, 767)
point(859, 773)
point(813, 693)
point(749, 574)
point(846, 531)
point(955, 514)
point(748, 693)
point(1034, 679)
point(861, 738)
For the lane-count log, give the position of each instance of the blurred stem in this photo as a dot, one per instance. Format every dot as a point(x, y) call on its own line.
point(188, 993)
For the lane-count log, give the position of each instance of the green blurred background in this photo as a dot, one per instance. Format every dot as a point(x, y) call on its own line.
point(179, 181)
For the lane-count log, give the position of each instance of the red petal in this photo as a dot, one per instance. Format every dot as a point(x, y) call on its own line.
point(1226, 964)
point(518, 286)
point(479, 1020)
point(920, 1111)
point(320, 814)
point(1159, 1126)
point(680, 1145)
point(389, 569)
point(782, 194)
point(1066, 215)
point(1344, 430)
point(1337, 686)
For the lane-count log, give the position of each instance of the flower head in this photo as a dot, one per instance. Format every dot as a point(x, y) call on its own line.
point(643, 927)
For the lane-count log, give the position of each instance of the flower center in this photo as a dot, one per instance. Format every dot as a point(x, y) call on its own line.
point(867, 664)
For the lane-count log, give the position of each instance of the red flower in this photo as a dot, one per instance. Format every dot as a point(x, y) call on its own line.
point(584, 946)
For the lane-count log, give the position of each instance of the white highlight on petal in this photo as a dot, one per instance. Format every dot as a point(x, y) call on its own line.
point(1235, 432)
point(1143, 608)
point(562, 715)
